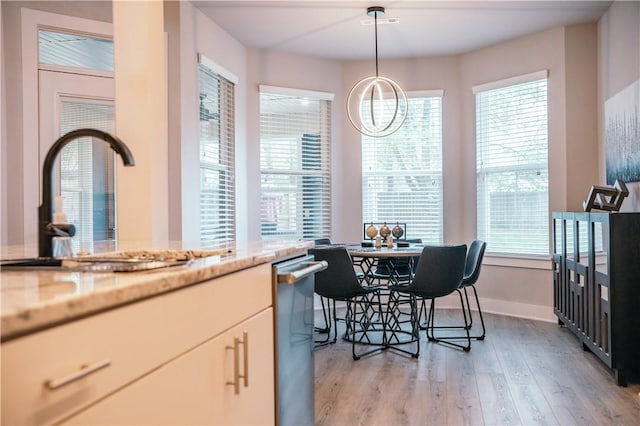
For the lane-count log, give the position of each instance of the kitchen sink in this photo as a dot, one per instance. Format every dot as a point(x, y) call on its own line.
point(124, 261)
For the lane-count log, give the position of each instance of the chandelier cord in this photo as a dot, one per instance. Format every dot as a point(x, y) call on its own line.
point(375, 20)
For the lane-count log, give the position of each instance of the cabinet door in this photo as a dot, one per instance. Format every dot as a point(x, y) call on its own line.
point(194, 387)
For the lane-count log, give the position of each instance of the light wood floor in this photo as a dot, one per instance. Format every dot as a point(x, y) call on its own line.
point(524, 372)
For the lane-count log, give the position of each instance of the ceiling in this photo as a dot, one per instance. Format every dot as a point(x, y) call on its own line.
point(332, 29)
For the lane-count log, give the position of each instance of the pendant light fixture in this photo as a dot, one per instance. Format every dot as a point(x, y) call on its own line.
point(376, 105)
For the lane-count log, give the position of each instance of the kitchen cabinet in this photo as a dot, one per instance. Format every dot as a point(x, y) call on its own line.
point(198, 387)
point(156, 360)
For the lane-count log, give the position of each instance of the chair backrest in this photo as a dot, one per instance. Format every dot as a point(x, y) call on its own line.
point(473, 263)
point(322, 241)
point(400, 265)
point(440, 271)
point(339, 280)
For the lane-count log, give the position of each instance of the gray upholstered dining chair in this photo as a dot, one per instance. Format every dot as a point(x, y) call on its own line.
point(439, 273)
point(340, 283)
point(473, 264)
point(327, 324)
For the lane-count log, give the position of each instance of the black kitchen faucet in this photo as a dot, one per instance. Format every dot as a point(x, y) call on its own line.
point(46, 229)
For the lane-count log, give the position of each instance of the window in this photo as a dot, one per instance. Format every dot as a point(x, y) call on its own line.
point(217, 158)
point(295, 137)
point(74, 50)
point(402, 173)
point(512, 170)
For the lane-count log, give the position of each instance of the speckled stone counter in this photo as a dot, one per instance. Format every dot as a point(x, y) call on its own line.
point(35, 299)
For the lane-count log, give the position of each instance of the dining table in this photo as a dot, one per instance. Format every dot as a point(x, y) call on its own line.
point(398, 262)
point(391, 326)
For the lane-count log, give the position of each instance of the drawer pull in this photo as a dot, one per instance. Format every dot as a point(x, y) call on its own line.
point(245, 341)
point(84, 371)
point(236, 366)
point(236, 362)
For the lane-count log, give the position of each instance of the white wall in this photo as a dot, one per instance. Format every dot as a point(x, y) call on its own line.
point(618, 67)
point(190, 33)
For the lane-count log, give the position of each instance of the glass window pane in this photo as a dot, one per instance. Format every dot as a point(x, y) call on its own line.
point(295, 170)
point(75, 50)
point(402, 173)
point(217, 158)
point(512, 168)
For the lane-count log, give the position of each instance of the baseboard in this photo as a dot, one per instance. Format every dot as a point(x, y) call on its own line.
point(495, 306)
point(519, 310)
point(503, 307)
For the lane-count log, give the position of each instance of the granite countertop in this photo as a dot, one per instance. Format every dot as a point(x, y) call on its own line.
point(39, 298)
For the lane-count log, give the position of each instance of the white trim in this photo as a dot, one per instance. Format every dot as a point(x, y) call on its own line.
point(502, 307)
point(303, 93)
point(434, 93)
point(526, 78)
point(518, 310)
point(76, 70)
point(218, 69)
point(489, 306)
point(518, 262)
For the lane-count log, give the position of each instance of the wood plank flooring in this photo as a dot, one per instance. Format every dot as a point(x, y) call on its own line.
point(525, 372)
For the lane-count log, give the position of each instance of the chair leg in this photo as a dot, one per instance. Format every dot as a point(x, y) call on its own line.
point(480, 337)
point(335, 322)
point(327, 323)
point(466, 297)
point(328, 319)
point(450, 340)
point(415, 323)
point(423, 326)
point(431, 321)
point(469, 325)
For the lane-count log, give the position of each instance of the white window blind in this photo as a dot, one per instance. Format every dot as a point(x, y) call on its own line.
point(217, 158)
point(512, 168)
point(402, 173)
point(295, 140)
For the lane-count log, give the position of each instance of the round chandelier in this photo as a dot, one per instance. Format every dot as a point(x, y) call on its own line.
point(376, 105)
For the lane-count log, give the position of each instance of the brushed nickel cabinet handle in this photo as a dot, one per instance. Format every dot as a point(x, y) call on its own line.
point(236, 366)
point(245, 342)
point(84, 371)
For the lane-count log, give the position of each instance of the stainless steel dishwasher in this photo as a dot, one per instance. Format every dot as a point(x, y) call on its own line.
point(294, 285)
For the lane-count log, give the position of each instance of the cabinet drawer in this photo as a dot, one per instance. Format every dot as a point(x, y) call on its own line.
point(130, 341)
point(197, 387)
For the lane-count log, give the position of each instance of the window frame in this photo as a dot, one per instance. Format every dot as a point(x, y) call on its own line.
point(306, 227)
point(515, 259)
point(224, 166)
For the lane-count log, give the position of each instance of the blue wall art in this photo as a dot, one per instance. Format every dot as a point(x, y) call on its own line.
point(622, 135)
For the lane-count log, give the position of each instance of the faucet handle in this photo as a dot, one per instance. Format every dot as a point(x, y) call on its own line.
point(61, 230)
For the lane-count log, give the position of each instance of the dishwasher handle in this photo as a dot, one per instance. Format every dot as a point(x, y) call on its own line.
point(294, 276)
